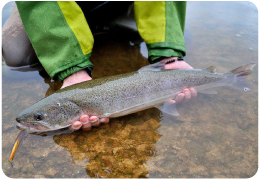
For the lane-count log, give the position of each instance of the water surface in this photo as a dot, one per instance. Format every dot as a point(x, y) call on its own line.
point(214, 136)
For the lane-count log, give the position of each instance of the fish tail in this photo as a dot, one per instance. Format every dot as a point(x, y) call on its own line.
point(239, 76)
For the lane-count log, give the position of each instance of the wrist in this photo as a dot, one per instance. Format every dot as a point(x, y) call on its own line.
point(81, 75)
point(167, 59)
point(175, 63)
point(77, 77)
point(171, 59)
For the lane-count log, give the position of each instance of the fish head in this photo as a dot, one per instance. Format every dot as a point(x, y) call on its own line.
point(32, 122)
point(48, 115)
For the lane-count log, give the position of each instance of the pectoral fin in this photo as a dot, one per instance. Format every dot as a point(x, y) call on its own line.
point(168, 108)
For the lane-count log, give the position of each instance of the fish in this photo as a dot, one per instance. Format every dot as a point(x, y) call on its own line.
point(123, 94)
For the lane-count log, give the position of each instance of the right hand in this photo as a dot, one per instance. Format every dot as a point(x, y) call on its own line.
point(85, 122)
point(187, 93)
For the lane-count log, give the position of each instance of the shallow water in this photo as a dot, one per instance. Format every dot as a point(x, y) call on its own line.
point(214, 136)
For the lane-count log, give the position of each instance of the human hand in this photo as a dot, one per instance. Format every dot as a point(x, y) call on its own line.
point(85, 122)
point(75, 78)
point(187, 93)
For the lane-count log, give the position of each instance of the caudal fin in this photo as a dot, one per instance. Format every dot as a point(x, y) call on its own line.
point(244, 70)
point(240, 74)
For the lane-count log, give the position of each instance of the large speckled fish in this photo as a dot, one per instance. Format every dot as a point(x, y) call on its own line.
point(114, 96)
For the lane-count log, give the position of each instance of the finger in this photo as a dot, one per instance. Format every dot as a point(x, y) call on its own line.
point(76, 125)
point(171, 101)
point(94, 120)
point(187, 95)
point(86, 127)
point(193, 92)
point(179, 97)
point(104, 120)
point(84, 119)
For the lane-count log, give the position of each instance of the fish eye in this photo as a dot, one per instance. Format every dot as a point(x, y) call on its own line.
point(38, 116)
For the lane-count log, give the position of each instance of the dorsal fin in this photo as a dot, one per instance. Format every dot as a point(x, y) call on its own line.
point(153, 67)
point(211, 69)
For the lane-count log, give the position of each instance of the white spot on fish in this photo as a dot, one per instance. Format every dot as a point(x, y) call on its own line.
point(56, 126)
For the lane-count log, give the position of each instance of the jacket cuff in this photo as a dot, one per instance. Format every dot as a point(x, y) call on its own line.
point(159, 50)
point(87, 65)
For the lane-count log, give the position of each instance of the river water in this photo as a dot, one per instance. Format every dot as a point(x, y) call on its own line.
point(214, 136)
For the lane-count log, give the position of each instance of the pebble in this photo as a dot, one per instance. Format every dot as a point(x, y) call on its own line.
point(141, 148)
point(51, 172)
point(39, 176)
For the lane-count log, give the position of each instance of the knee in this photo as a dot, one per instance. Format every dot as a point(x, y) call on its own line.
point(16, 46)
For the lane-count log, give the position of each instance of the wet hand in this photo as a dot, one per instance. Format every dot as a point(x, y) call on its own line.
point(77, 77)
point(85, 122)
point(187, 93)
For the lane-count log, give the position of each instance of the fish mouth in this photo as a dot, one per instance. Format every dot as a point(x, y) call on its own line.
point(31, 128)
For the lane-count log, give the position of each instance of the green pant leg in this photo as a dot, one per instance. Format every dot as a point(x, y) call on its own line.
point(161, 25)
point(59, 34)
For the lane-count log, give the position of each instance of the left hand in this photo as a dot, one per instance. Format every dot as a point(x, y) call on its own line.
point(187, 93)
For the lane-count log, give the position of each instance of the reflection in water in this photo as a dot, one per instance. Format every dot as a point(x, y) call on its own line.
point(119, 149)
point(214, 136)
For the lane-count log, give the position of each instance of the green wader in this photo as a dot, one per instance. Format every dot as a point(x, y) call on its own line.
point(63, 42)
